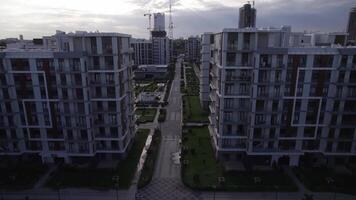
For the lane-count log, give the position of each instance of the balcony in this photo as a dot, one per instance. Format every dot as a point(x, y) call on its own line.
point(246, 46)
point(75, 68)
point(113, 136)
point(232, 46)
point(238, 78)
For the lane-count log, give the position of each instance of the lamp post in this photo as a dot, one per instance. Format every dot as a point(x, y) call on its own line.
point(2, 191)
point(331, 182)
point(59, 190)
point(214, 190)
point(276, 187)
point(116, 184)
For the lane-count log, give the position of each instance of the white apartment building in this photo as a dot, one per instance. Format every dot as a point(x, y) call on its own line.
point(275, 97)
point(70, 99)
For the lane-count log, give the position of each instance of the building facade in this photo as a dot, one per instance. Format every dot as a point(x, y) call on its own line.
point(351, 27)
point(161, 50)
point(142, 51)
point(151, 72)
point(207, 40)
point(274, 98)
point(69, 100)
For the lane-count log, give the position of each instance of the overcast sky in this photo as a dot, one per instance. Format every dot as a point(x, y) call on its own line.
point(35, 18)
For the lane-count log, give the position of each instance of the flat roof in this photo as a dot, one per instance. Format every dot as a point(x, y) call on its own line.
point(96, 34)
point(161, 66)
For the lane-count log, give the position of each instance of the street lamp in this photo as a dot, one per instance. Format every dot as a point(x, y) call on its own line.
point(214, 189)
point(331, 182)
point(276, 187)
point(2, 191)
point(59, 190)
point(116, 184)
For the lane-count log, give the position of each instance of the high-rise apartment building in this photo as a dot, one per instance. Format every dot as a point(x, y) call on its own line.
point(276, 97)
point(351, 27)
point(68, 99)
point(247, 17)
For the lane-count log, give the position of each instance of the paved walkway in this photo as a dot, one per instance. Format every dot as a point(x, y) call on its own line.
point(42, 181)
point(299, 184)
point(166, 183)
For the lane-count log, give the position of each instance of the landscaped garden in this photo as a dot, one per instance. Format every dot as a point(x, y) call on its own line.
point(323, 179)
point(151, 87)
point(93, 177)
point(192, 82)
point(21, 176)
point(152, 153)
point(146, 114)
point(202, 171)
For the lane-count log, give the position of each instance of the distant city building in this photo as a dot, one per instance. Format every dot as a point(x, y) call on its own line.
point(158, 49)
point(178, 47)
point(142, 51)
point(247, 16)
point(276, 96)
point(151, 72)
point(69, 99)
point(351, 28)
point(159, 22)
point(192, 49)
point(161, 50)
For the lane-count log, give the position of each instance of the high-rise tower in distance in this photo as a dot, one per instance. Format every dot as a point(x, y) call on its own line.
point(247, 16)
point(351, 27)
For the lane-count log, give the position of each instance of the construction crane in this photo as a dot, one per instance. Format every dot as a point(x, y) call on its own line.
point(149, 14)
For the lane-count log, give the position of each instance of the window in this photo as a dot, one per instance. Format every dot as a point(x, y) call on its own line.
point(229, 103)
point(107, 45)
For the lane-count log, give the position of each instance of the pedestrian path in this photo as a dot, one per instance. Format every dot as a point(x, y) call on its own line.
point(42, 181)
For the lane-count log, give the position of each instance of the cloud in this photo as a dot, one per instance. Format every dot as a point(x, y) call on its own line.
point(191, 17)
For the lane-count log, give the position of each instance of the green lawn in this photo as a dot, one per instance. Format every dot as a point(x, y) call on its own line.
point(95, 178)
point(146, 114)
point(324, 180)
point(22, 176)
point(192, 85)
point(193, 111)
point(152, 153)
point(269, 181)
point(201, 170)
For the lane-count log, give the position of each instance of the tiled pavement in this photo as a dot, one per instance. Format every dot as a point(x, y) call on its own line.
point(166, 189)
